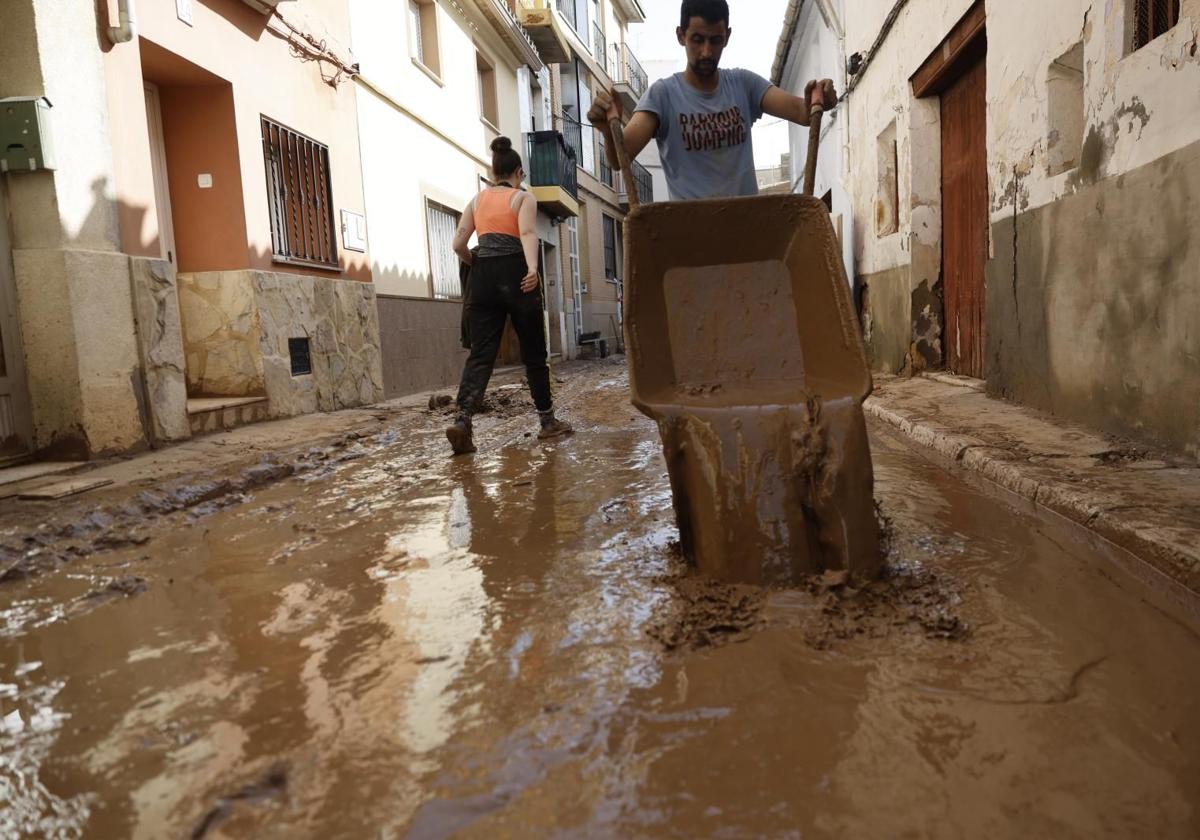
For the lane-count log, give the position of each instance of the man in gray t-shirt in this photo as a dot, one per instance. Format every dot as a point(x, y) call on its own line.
point(702, 118)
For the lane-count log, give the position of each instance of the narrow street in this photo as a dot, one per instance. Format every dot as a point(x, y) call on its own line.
point(401, 644)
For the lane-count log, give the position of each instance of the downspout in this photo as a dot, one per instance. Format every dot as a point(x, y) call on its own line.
point(127, 15)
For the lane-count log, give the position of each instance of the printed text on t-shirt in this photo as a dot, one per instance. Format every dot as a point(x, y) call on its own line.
point(713, 131)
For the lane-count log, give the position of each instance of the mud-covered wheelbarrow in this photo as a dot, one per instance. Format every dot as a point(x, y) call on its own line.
point(744, 347)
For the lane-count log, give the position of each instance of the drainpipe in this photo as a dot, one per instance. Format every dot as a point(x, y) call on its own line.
point(128, 29)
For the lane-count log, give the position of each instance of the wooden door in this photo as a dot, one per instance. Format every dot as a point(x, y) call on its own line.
point(15, 426)
point(965, 217)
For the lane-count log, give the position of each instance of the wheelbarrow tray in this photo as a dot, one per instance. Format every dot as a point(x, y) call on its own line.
point(744, 346)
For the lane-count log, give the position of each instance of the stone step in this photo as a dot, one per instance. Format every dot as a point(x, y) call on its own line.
point(220, 414)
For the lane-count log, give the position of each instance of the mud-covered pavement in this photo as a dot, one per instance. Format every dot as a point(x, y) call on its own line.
point(380, 641)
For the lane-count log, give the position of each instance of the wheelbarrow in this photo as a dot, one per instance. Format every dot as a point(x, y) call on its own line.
point(744, 347)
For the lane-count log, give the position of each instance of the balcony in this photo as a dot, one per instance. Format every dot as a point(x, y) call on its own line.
point(544, 27)
point(643, 182)
point(599, 46)
point(553, 176)
point(629, 79)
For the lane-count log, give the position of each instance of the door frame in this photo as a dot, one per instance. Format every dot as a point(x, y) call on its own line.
point(958, 53)
point(13, 384)
point(158, 164)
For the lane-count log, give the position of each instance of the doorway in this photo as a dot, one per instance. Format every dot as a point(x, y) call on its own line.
point(16, 430)
point(957, 73)
point(965, 218)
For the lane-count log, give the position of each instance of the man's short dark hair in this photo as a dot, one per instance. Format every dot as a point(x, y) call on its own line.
point(712, 11)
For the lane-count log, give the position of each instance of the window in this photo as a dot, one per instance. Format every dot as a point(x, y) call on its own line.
point(422, 31)
point(606, 173)
point(299, 197)
point(887, 196)
point(443, 262)
point(610, 248)
point(1152, 18)
point(573, 265)
point(1064, 95)
point(488, 108)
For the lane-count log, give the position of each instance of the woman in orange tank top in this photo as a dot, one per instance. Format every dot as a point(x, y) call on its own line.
point(503, 284)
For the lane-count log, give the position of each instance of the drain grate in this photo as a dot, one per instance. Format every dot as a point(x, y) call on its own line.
point(301, 353)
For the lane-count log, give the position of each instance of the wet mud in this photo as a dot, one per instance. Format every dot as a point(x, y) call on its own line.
point(745, 350)
point(403, 644)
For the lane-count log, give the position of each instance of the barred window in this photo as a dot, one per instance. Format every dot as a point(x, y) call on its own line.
point(443, 262)
point(610, 248)
point(299, 197)
point(1152, 18)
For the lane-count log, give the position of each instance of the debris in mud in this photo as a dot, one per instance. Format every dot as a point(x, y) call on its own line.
point(708, 614)
point(111, 540)
point(127, 586)
point(272, 786)
point(905, 597)
point(504, 401)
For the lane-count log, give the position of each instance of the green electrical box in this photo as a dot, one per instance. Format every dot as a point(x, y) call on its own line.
point(26, 144)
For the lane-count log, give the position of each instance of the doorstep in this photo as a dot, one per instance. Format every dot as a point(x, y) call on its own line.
point(1145, 502)
point(220, 414)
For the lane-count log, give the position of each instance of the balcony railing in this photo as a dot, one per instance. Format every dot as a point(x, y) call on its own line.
point(628, 70)
point(600, 46)
point(643, 183)
point(573, 133)
point(552, 162)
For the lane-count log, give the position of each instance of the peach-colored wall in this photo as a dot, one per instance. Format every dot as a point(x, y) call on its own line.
point(231, 41)
point(201, 137)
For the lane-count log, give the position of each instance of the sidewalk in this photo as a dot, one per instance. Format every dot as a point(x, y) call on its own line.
point(1147, 503)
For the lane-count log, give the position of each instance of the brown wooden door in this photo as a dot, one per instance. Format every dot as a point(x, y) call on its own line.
point(965, 217)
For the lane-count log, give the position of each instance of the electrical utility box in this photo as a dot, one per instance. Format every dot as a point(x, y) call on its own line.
point(26, 142)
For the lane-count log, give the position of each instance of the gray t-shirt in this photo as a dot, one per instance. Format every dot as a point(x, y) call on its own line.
point(704, 138)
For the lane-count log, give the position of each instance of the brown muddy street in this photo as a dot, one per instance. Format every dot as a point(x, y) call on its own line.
point(505, 645)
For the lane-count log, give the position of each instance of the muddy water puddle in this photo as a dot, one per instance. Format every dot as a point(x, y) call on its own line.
point(413, 646)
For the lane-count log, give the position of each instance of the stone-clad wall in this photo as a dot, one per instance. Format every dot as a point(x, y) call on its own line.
point(160, 346)
point(237, 324)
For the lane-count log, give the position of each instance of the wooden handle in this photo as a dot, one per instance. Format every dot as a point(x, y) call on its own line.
point(815, 114)
point(618, 138)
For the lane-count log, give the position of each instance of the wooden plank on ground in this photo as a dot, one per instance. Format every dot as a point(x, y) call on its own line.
point(63, 489)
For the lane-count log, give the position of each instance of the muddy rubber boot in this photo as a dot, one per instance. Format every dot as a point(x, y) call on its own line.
point(552, 427)
point(461, 436)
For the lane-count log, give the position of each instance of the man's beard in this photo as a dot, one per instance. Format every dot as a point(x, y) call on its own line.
point(704, 68)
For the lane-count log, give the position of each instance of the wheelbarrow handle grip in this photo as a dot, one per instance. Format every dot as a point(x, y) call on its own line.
point(815, 112)
point(618, 138)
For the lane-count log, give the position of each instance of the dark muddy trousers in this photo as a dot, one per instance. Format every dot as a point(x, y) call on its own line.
point(494, 295)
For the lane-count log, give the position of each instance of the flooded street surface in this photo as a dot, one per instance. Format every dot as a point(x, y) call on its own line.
point(406, 645)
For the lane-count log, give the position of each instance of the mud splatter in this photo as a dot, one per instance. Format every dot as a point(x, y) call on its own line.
point(273, 785)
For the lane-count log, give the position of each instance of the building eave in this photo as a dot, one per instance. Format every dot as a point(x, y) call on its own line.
point(505, 23)
point(633, 11)
point(791, 17)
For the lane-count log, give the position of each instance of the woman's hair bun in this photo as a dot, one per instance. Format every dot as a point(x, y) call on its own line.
point(501, 145)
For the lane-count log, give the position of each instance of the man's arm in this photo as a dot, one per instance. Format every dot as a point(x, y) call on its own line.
point(782, 105)
point(638, 133)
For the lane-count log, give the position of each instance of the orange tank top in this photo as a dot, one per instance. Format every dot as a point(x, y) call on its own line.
point(494, 213)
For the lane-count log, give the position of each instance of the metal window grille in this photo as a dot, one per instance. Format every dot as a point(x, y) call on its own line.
point(1152, 18)
point(300, 352)
point(299, 197)
point(610, 248)
point(599, 45)
point(443, 262)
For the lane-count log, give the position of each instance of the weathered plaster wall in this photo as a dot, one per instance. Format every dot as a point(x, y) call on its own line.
point(1093, 304)
point(73, 287)
point(237, 325)
point(886, 304)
